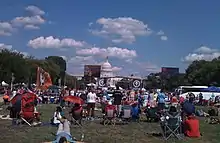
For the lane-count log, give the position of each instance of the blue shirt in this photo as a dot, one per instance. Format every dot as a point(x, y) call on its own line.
point(188, 107)
point(161, 97)
point(146, 97)
point(64, 134)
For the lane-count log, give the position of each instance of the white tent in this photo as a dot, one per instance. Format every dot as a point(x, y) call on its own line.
point(91, 84)
point(4, 83)
point(143, 89)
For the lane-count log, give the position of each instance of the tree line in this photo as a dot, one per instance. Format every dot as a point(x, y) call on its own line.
point(199, 72)
point(24, 68)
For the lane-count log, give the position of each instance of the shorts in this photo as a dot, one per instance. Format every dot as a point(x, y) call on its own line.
point(90, 105)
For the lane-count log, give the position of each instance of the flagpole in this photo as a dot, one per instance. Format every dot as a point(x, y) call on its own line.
point(12, 80)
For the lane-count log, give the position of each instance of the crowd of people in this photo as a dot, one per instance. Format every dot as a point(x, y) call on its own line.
point(140, 102)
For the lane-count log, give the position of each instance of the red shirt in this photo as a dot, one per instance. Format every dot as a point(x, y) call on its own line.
point(181, 99)
point(174, 100)
point(192, 127)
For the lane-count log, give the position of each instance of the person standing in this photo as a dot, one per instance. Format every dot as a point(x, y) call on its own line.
point(117, 99)
point(72, 93)
point(161, 100)
point(91, 100)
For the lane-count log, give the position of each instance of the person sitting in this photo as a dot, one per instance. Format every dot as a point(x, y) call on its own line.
point(77, 112)
point(188, 107)
point(58, 114)
point(152, 113)
point(173, 111)
point(63, 133)
point(174, 100)
point(191, 126)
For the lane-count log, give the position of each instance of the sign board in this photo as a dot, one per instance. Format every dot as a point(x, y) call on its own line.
point(136, 83)
point(101, 82)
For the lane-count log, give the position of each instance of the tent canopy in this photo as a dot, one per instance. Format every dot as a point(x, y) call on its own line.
point(4, 83)
point(211, 89)
point(91, 84)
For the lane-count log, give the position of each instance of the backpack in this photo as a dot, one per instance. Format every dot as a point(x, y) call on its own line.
point(212, 112)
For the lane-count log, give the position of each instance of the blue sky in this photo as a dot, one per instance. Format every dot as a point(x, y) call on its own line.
point(139, 37)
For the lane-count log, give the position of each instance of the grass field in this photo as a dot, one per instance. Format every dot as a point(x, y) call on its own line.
point(96, 133)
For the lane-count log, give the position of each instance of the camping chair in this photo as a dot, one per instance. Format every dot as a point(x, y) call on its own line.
point(172, 126)
point(77, 116)
point(28, 114)
point(109, 117)
point(151, 114)
point(126, 113)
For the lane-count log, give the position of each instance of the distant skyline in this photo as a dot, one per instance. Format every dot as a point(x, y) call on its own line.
point(138, 37)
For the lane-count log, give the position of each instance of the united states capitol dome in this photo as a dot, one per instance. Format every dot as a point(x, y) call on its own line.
point(106, 66)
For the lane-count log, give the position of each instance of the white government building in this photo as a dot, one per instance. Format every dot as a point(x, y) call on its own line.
point(107, 72)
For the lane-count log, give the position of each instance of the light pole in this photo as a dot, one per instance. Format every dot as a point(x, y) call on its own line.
point(12, 80)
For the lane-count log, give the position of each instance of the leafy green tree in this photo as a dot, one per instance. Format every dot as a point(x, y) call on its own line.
point(62, 65)
point(13, 62)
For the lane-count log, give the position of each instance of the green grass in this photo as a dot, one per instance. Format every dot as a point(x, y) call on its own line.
point(97, 133)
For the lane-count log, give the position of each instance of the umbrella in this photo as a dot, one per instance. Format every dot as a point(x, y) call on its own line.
point(211, 89)
point(73, 99)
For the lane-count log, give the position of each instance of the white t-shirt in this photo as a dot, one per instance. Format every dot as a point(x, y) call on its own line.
point(14, 93)
point(91, 97)
point(55, 120)
point(72, 92)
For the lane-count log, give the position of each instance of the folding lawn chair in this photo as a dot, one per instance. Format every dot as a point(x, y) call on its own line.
point(77, 117)
point(172, 126)
point(151, 114)
point(109, 117)
point(126, 116)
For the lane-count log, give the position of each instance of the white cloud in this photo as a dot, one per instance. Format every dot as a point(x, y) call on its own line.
point(5, 28)
point(164, 38)
point(205, 50)
point(129, 61)
point(76, 64)
point(110, 51)
point(90, 24)
point(51, 42)
point(116, 69)
point(25, 54)
point(160, 33)
point(122, 29)
point(34, 10)
point(4, 33)
point(29, 20)
point(31, 27)
point(148, 67)
point(202, 53)
point(4, 46)
point(9, 47)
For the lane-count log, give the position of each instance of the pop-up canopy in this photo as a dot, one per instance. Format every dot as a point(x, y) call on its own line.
point(4, 83)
